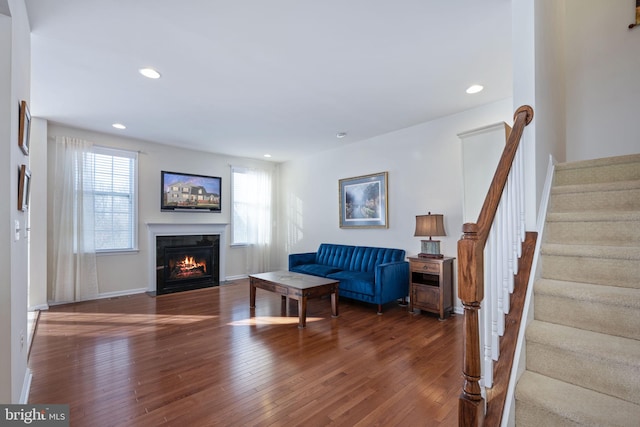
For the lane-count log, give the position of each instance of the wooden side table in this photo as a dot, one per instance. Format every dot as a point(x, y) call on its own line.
point(431, 285)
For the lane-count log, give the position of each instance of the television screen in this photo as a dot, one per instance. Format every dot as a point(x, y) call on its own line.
point(190, 192)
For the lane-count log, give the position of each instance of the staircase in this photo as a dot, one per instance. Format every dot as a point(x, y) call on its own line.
point(583, 346)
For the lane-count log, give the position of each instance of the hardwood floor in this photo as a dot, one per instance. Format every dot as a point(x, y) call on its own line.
point(200, 358)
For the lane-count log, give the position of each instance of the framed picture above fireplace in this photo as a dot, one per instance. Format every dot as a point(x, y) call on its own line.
point(186, 192)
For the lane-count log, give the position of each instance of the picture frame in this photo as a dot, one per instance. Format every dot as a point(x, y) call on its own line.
point(363, 201)
point(24, 187)
point(24, 127)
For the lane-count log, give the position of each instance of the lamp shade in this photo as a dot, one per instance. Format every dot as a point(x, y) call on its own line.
point(430, 225)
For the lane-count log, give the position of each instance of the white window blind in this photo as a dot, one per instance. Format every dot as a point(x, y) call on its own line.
point(115, 198)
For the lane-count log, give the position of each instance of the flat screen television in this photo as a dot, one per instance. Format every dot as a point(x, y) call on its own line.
point(190, 192)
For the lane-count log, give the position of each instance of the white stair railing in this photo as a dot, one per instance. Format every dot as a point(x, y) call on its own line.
point(501, 254)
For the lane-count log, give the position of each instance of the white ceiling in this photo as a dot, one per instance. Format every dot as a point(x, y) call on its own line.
point(249, 77)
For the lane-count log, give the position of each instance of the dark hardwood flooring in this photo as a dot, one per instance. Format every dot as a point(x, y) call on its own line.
point(203, 358)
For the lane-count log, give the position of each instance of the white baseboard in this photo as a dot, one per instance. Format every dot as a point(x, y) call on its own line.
point(38, 307)
point(26, 387)
point(105, 295)
point(241, 276)
point(121, 293)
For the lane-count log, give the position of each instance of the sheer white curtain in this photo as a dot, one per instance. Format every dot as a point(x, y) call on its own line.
point(75, 275)
point(260, 220)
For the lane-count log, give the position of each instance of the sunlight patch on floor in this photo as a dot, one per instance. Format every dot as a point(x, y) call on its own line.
point(85, 324)
point(268, 320)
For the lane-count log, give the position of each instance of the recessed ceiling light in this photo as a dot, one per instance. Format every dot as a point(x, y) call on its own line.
point(267, 155)
point(150, 73)
point(475, 88)
point(341, 135)
point(119, 126)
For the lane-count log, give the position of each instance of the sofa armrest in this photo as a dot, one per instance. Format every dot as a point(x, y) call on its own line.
point(299, 259)
point(392, 281)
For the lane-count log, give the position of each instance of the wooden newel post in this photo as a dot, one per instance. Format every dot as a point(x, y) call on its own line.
point(471, 292)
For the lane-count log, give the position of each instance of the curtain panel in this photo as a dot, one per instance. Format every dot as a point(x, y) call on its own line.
point(75, 275)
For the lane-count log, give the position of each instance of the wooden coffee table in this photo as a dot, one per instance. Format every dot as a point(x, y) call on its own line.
point(296, 286)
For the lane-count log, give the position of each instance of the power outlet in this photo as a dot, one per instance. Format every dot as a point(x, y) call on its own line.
point(21, 339)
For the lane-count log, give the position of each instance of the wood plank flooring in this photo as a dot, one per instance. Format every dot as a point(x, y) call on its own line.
point(203, 358)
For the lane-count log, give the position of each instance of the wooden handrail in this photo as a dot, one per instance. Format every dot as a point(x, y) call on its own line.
point(471, 275)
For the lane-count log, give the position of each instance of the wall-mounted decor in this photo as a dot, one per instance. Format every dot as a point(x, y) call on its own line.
point(363, 201)
point(24, 185)
point(637, 23)
point(189, 192)
point(24, 127)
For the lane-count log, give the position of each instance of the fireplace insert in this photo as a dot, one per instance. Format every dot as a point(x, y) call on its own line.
point(186, 262)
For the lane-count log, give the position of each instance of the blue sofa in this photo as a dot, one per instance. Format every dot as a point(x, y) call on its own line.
point(373, 275)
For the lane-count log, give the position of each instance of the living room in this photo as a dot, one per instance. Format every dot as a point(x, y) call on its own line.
point(423, 163)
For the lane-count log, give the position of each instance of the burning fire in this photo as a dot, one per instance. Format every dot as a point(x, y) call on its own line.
point(189, 263)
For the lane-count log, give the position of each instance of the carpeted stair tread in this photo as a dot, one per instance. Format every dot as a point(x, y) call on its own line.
point(594, 228)
point(601, 362)
point(600, 162)
point(620, 168)
point(620, 195)
point(591, 251)
point(604, 309)
point(597, 187)
point(596, 216)
point(608, 295)
point(602, 265)
point(544, 401)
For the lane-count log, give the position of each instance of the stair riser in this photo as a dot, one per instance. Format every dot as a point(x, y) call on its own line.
point(618, 320)
point(599, 271)
point(594, 175)
point(603, 376)
point(620, 233)
point(628, 200)
point(528, 415)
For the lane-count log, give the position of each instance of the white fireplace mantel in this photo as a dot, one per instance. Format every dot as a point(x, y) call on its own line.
point(177, 229)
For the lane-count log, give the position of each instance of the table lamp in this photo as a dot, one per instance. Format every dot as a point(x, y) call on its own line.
point(430, 225)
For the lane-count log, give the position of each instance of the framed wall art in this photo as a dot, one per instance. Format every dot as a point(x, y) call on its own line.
point(24, 187)
point(24, 127)
point(363, 201)
point(637, 22)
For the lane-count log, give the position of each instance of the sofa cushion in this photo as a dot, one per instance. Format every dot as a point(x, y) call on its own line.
point(366, 258)
point(361, 282)
point(338, 256)
point(315, 269)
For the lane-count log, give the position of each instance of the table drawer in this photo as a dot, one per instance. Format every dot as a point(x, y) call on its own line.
point(425, 267)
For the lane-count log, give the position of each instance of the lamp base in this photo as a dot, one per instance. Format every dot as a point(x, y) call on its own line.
point(423, 255)
point(430, 249)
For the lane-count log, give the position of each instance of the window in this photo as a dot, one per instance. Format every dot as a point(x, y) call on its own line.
point(251, 206)
point(114, 197)
point(240, 181)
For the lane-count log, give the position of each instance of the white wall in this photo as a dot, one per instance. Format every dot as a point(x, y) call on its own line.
point(603, 87)
point(126, 273)
point(38, 216)
point(425, 174)
point(15, 68)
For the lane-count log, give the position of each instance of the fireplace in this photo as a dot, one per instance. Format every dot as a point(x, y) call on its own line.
point(176, 235)
point(187, 262)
